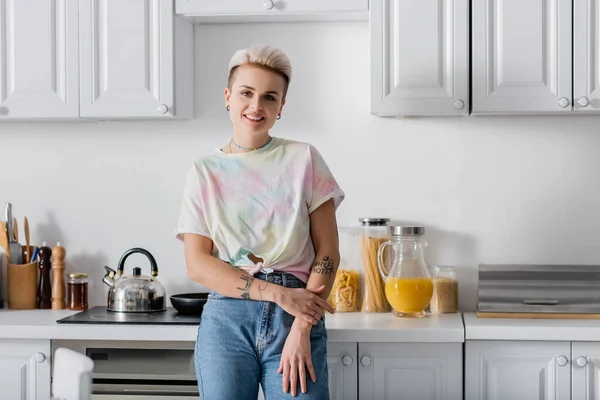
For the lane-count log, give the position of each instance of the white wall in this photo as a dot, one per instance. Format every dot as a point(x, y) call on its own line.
point(490, 190)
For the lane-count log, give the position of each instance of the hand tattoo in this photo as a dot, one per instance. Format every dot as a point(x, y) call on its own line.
point(324, 266)
point(260, 290)
point(246, 289)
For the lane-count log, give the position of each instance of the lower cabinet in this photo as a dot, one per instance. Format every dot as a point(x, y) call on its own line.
point(25, 369)
point(343, 371)
point(532, 370)
point(412, 371)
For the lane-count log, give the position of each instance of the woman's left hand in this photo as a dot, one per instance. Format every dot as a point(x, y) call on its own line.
point(296, 358)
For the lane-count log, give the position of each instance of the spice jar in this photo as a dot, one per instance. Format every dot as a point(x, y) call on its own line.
point(77, 291)
point(345, 295)
point(445, 290)
point(373, 233)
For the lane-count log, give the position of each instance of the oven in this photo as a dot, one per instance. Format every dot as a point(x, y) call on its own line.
point(128, 370)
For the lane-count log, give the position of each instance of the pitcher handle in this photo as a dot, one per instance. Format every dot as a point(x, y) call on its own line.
point(384, 275)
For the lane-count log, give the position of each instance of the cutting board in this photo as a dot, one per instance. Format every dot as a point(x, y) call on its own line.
point(536, 315)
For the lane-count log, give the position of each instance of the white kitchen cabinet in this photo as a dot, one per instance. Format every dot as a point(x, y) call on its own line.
point(343, 371)
point(39, 59)
point(585, 364)
point(517, 370)
point(522, 56)
point(419, 57)
point(136, 60)
point(586, 55)
point(272, 10)
point(25, 369)
point(415, 371)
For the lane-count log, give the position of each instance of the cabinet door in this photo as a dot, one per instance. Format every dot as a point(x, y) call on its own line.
point(586, 55)
point(585, 370)
point(415, 371)
point(419, 57)
point(127, 58)
point(517, 370)
point(268, 7)
point(522, 56)
point(343, 371)
point(24, 369)
point(39, 59)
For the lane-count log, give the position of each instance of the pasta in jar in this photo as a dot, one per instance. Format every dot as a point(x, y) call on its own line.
point(344, 294)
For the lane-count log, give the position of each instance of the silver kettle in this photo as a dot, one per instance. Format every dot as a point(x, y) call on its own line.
point(137, 292)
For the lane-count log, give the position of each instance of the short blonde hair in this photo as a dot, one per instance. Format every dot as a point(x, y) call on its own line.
point(265, 56)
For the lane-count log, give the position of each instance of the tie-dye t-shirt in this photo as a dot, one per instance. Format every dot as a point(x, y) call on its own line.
point(259, 203)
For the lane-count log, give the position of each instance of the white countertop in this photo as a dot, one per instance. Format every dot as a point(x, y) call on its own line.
point(341, 327)
point(530, 329)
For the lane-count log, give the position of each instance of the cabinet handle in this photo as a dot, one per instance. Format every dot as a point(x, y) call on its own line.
point(268, 4)
point(562, 361)
point(583, 102)
point(163, 109)
point(581, 361)
point(459, 104)
point(40, 358)
point(564, 102)
point(365, 361)
point(3, 111)
point(347, 360)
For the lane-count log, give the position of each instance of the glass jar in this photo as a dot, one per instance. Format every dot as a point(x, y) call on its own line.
point(373, 233)
point(346, 295)
point(445, 290)
point(77, 291)
point(408, 283)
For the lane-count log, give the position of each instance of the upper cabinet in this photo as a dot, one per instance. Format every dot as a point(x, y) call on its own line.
point(272, 10)
point(39, 59)
point(535, 57)
point(419, 57)
point(136, 60)
point(586, 60)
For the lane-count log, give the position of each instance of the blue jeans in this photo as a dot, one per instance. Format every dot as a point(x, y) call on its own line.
point(239, 346)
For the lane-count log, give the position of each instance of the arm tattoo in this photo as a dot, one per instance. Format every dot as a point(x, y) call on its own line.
point(262, 289)
point(246, 290)
point(324, 267)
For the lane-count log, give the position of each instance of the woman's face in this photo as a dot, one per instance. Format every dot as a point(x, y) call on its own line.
point(255, 99)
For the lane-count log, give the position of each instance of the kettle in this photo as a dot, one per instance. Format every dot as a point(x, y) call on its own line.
point(137, 292)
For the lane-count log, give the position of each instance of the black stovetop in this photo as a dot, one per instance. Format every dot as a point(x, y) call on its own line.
point(100, 315)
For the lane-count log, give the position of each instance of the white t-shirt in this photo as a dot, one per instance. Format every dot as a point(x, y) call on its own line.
point(259, 203)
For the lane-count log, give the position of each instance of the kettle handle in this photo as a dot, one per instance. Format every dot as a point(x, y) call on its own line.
point(380, 264)
point(129, 252)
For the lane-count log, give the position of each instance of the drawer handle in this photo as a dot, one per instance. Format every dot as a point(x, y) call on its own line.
point(40, 358)
point(365, 361)
point(581, 361)
point(562, 361)
point(347, 360)
point(583, 102)
point(269, 4)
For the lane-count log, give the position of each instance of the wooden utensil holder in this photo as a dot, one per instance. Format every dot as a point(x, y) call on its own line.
point(22, 281)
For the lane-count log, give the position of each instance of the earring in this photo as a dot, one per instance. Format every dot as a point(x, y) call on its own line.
point(227, 107)
point(279, 117)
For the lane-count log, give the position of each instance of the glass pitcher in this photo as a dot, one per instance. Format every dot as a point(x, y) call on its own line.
point(408, 283)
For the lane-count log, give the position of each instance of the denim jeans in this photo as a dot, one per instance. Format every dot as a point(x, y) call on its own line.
point(239, 346)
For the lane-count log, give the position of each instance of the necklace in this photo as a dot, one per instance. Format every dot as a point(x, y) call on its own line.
point(249, 148)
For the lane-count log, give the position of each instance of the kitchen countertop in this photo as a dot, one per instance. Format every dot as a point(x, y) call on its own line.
point(530, 329)
point(341, 327)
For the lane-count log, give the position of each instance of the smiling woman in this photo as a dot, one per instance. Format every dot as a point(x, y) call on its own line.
point(259, 229)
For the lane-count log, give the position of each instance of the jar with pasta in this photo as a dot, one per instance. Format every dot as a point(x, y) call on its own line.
point(345, 296)
point(374, 232)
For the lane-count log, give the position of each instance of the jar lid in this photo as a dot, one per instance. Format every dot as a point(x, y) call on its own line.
point(77, 275)
point(374, 221)
point(398, 230)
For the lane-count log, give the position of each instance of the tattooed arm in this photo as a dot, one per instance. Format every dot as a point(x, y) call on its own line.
point(232, 282)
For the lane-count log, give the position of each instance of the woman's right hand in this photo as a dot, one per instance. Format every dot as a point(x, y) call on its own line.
point(305, 304)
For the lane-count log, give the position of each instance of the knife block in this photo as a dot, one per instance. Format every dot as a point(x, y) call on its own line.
point(22, 280)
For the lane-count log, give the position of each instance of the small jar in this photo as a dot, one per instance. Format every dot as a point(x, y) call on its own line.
point(77, 291)
point(373, 233)
point(345, 294)
point(445, 290)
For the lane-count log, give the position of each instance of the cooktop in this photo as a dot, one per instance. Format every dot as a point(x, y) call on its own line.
point(100, 315)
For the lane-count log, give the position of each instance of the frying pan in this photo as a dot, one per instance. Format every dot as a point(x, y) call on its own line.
point(189, 303)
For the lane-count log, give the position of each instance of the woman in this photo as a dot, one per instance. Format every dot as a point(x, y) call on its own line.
point(259, 230)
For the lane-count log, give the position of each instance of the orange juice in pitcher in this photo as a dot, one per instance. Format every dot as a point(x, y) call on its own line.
point(408, 284)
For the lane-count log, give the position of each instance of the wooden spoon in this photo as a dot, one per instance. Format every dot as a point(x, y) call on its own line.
point(15, 229)
point(28, 257)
